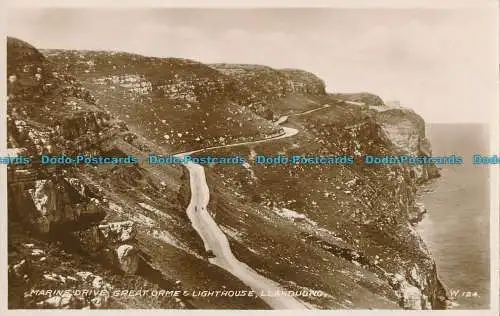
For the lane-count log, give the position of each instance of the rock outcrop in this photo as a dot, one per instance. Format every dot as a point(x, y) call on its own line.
point(406, 130)
point(115, 242)
point(128, 258)
point(263, 86)
point(48, 203)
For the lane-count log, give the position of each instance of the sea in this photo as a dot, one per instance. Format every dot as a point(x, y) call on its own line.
point(456, 227)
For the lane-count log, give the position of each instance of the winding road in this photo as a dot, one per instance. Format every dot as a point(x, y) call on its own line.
point(216, 241)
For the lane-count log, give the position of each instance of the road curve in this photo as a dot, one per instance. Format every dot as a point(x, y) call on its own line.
point(288, 131)
point(215, 240)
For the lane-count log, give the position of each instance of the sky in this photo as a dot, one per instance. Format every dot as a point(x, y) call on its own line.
point(443, 63)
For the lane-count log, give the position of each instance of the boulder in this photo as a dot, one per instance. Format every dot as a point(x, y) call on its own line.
point(128, 259)
point(60, 201)
point(118, 232)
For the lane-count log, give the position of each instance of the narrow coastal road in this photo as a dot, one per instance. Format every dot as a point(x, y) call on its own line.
point(310, 111)
point(216, 241)
point(288, 132)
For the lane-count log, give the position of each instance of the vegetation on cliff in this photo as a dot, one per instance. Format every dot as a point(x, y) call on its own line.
point(342, 230)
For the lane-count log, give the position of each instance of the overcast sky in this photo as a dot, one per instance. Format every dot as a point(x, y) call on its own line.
point(442, 63)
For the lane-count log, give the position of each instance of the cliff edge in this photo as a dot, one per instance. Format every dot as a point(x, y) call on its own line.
point(342, 231)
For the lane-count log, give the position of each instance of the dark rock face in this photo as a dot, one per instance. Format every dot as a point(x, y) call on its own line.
point(48, 203)
point(53, 201)
point(27, 75)
point(116, 242)
point(354, 239)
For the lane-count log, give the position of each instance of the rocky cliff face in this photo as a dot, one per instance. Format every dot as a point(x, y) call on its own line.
point(264, 85)
point(406, 130)
point(360, 213)
point(52, 202)
point(50, 113)
point(344, 231)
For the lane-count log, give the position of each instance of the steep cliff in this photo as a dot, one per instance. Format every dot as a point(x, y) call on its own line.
point(344, 231)
point(360, 213)
point(406, 131)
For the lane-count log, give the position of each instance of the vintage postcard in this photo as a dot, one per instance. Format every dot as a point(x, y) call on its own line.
point(230, 157)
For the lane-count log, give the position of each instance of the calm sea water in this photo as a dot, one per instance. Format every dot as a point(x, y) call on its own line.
point(456, 228)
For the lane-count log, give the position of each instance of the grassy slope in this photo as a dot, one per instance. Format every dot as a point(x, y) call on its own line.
point(200, 103)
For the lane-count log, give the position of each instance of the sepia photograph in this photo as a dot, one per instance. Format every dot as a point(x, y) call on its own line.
point(250, 158)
